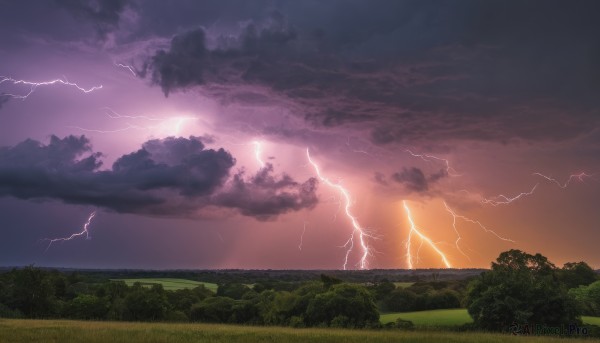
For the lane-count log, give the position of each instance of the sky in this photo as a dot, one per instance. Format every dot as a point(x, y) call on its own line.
point(336, 134)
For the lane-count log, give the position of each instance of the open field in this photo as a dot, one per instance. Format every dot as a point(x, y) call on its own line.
point(591, 320)
point(403, 284)
point(25, 331)
point(170, 284)
point(438, 318)
point(448, 318)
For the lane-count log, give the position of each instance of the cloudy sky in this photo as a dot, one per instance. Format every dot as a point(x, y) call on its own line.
point(298, 134)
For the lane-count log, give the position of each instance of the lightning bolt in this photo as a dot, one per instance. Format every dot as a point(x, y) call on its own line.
point(415, 230)
point(357, 228)
point(85, 232)
point(128, 67)
point(564, 185)
point(258, 152)
point(172, 124)
point(483, 227)
point(34, 85)
point(302, 237)
point(427, 158)
point(505, 200)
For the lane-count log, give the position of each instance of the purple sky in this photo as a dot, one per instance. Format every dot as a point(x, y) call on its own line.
point(194, 151)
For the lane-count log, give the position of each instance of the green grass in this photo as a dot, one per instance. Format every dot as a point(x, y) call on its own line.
point(170, 284)
point(432, 318)
point(448, 318)
point(591, 320)
point(64, 331)
point(403, 284)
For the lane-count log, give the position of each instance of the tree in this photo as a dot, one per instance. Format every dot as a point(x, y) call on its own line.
point(520, 288)
point(401, 300)
point(588, 298)
point(575, 274)
point(183, 299)
point(213, 309)
point(232, 290)
point(383, 289)
point(33, 293)
point(348, 300)
point(87, 307)
point(149, 304)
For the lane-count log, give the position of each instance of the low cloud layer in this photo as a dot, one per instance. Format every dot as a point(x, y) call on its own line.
point(171, 176)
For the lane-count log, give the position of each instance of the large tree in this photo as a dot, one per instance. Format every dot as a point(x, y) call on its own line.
point(520, 288)
point(343, 305)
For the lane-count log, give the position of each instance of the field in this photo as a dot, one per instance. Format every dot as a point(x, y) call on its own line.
point(591, 320)
point(170, 284)
point(403, 284)
point(447, 318)
point(54, 331)
point(437, 318)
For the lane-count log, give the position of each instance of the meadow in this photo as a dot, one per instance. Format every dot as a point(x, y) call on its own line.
point(170, 284)
point(50, 331)
point(432, 318)
point(447, 318)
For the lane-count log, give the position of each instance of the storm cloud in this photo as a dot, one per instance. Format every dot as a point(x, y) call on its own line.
point(103, 14)
point(265, 196)
point(478, 71)
point(171, 176)
point(414, 179)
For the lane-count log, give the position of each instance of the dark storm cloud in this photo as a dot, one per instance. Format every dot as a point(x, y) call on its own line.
point(103, 14)
point(172, 176)
point(189, 62)
point(265, 196)
point(414, 179)
point(409, 70)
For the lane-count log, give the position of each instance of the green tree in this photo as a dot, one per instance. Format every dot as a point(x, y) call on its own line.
point(575, 274)
point(520, 288)
point(232, 290)
point(383, 289)
point(87, 307)
point(213, 310)
point(146, 304)
point(401, 300)
point(183, 299)
point(33, 293)
point(348, 300)
point(588, 298)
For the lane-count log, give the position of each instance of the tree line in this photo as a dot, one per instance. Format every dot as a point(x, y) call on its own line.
point(518, 288)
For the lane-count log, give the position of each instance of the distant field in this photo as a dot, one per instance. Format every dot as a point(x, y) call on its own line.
point(591, 320)
point(439, 318)
point(403, 284)
point(170, 284)
point(448, 318)
point(54, 331)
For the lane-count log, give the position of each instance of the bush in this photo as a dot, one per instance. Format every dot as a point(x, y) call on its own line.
point(340, 321)
point(297, 322)
point(404, 324)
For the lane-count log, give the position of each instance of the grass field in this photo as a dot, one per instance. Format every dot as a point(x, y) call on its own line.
point(591, 320)
point(171, 284)
point(447, 318)
point(439, 318)
point(403, 284)
point(54, 331)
